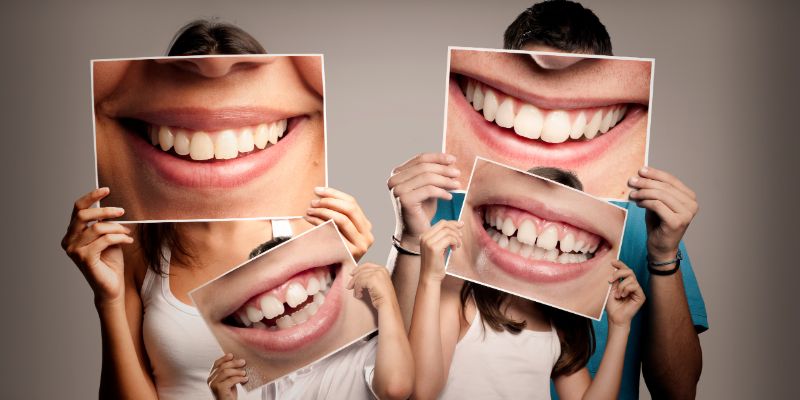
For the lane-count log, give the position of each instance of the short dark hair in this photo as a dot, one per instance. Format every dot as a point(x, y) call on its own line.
point(559, 175)
point(206, 37)
point(268, 245)
point(561, 24)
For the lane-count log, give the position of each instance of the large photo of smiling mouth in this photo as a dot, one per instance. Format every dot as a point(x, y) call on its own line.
point(224, 153)
point(291, 315)
point(535, 249)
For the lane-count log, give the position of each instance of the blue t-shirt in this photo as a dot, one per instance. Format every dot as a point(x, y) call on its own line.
point(634, 255)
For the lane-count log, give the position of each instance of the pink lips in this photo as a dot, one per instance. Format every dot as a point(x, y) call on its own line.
point(213, 173)
point(570, 154)
point(301, 335)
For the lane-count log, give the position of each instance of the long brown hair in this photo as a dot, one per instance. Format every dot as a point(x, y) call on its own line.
point(575, 333)
point(200, 37)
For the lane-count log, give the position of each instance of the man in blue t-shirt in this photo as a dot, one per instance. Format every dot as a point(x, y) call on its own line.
point(664, 339)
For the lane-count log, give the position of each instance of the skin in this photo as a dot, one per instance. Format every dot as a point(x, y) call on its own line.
point(672, 357)
point(585, 294)
point(292, 86)
point(115, 271)
point(438, 322)
point(570, 82)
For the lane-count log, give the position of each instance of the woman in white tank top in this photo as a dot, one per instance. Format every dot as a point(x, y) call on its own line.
point(155, 345)
point(471, 341)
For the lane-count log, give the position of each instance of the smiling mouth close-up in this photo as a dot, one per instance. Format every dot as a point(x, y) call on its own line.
point(291, 314)
point(564, 132)
point(535, 244)
point(202, 148)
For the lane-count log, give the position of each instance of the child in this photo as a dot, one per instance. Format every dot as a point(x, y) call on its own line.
point(526, 344)
point(379, 367)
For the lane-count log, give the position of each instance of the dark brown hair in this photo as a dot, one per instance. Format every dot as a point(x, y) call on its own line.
point(200, 37)
point(561, 24)
point(575, 333)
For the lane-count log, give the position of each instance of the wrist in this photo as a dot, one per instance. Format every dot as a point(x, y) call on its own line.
point(660, 256)
point(109, 305)
point(619, 327)
point(409, 241)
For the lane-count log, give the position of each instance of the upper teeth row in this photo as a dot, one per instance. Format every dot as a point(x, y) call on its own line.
point(222, 145)
point(552, 126)
point(535, 252)
point(547, 239)
point(268, 306)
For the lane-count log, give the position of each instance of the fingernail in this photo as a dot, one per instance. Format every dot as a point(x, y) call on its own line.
point(119, 211)
point(455, 171)
point(633, 180)
point(450, 158)
point(103, 189)
point(643, 170)
point(319, 190)
point(315, 202)
point(310, 211)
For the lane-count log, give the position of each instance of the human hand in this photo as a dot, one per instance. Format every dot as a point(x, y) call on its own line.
point(224, 376)
point(94, 246)
point(670, 205)
point(415, 186)
point(344, 210)
point(375, 279)
point(434, 242)
point(626, 296)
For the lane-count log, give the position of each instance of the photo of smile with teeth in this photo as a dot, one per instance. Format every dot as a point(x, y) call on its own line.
point(587, 114)
point(288, 307)
point(537, 239)
point(210, 137)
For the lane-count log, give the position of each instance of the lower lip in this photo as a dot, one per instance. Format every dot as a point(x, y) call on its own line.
point(533, 271)
point(214, 173)
point(530, 153)
point(298, 336)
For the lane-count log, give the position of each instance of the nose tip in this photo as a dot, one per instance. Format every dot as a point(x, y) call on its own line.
point(214, 67)
point(554, 62)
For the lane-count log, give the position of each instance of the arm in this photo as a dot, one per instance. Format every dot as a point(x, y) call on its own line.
point(94, 245)
point(435, 324)
point(624, 302)
point(394, 366)
point(415, 186)
point(672, 357)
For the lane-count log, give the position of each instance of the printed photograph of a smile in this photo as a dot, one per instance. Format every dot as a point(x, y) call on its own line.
point(212, 137)
point(287, 308)
point(535, 238)
point(585, 117)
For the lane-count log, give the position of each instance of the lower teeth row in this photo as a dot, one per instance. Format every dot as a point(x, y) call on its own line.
point(534, 252)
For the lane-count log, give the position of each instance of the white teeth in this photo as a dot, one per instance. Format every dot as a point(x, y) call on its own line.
point(593, 125)
point(300, 316)
point(490, 106)
point(527, 232)
point(513, 245)
point(477, 99)
point(548, 238)
point(153, 135)
point(526, 250)
point(311, 309)
point(498, 222)
point(182, 143)
point(578, 126)
point(319, 298)
point(568, 243)
point(259, 325)
point(503, 241)
point(245, 141)
point(254, 314)
point(270, 306)
point(538, 253)
point(165, 138)
point(508, 227)
point(564, 258)
point(227, 145)
point(273, 133)
point(605, 124)
point(505, 114)
point(295, 294)
point(470, 90)
point(201, 148)
point(551, 255)
point(556, 127)
point(313, 286)
point(261, 136)
point(578, 246)
point(285, 322)
point(593, 247)
point(244, 318)
point(528, 122)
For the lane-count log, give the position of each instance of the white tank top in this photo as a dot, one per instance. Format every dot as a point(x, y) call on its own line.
point(501, 365)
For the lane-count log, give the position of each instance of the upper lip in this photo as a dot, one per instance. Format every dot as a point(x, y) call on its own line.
point(545, 211)
point(209, 120)
point(261, 284)
point(547, 102)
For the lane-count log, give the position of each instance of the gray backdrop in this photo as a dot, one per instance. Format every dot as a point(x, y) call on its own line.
point(725, 91)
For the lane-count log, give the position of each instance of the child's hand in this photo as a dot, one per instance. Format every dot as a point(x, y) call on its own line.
point(376, 280)
point(626, 296)
point(95, 248)
point(224, 376)
point(433, 243)
point(348, 216)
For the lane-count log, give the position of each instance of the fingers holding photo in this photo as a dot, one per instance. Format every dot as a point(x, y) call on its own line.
point(225, 374)
point(345, 211)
